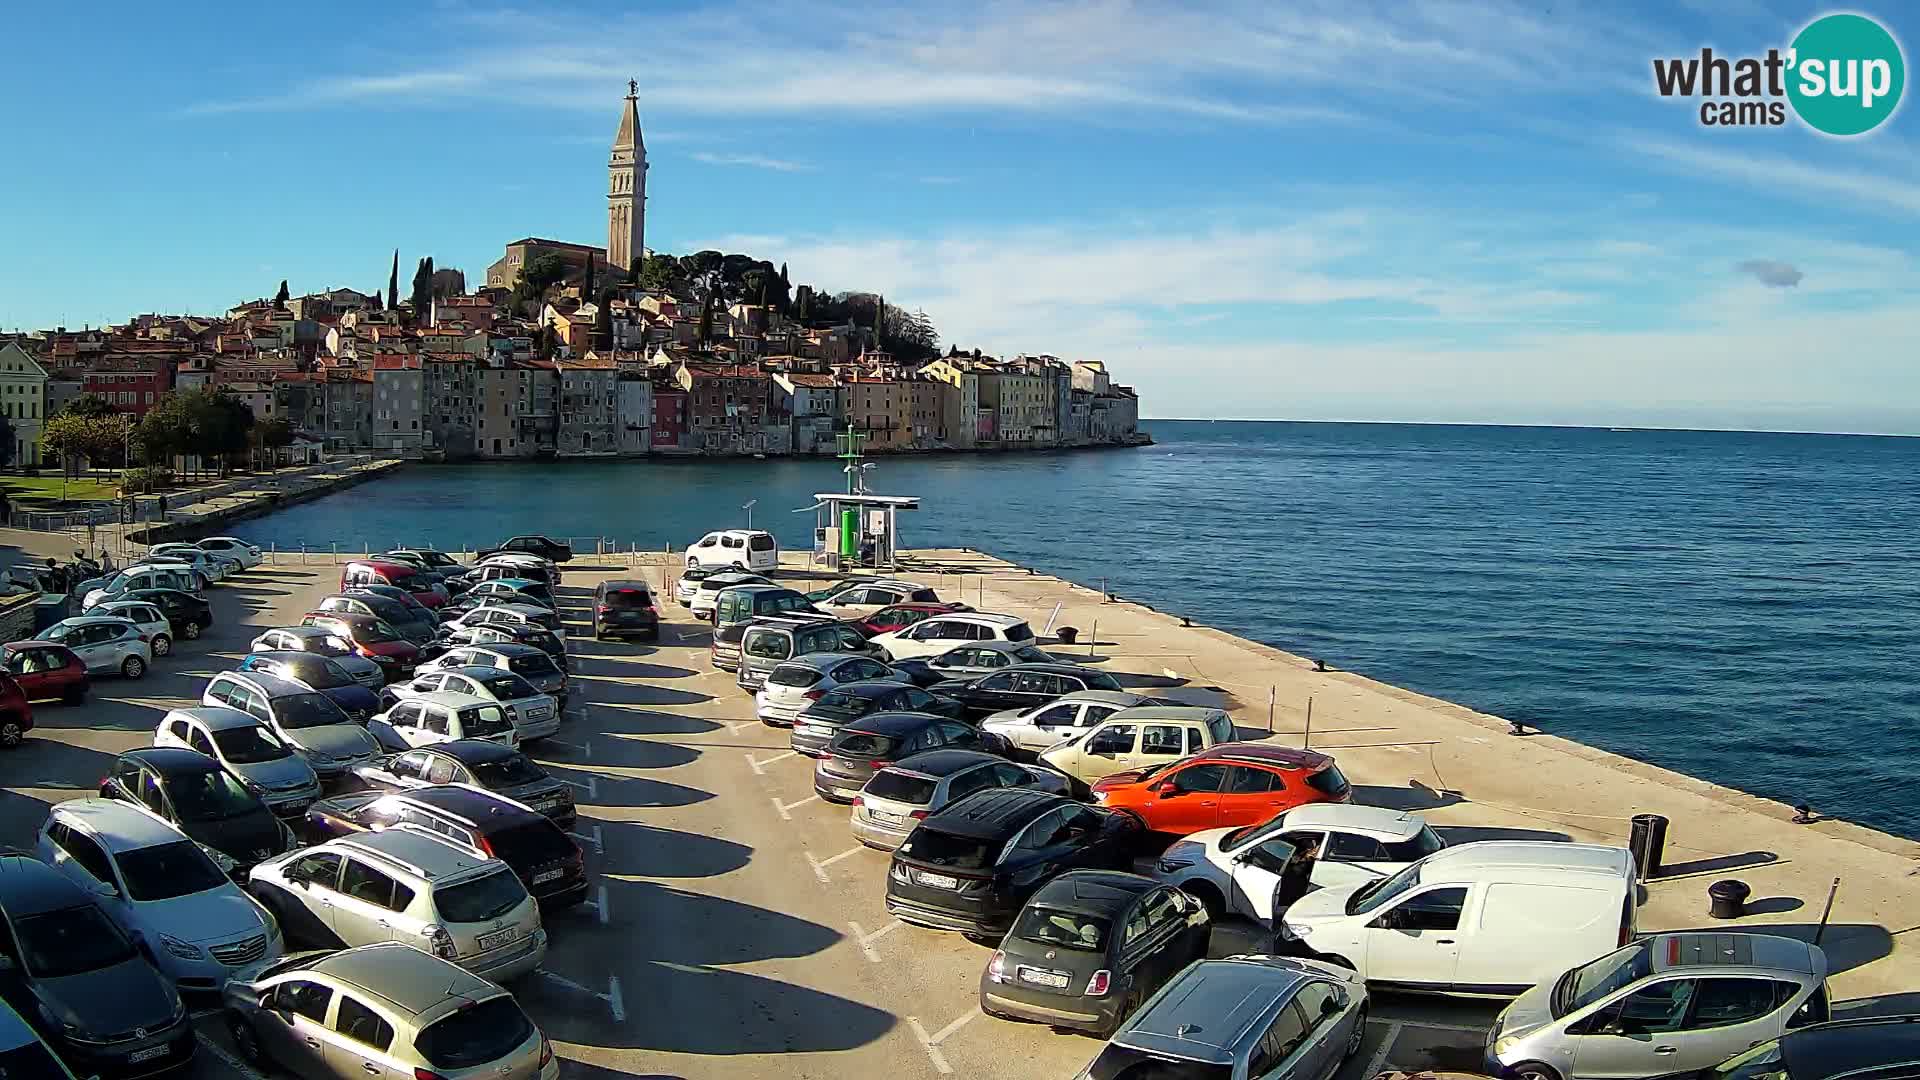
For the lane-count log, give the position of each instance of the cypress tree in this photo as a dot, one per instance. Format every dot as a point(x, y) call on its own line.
point(393, 283)
point(587, 292)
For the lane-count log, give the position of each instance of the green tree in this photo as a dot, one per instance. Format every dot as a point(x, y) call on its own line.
point(393, 283)
point(64, 438)
point(586, 289)
point(537, 276)
point(603, 321)
point(422, 290)
point(663, 272)
point(106, 439)
point(91, 406)
point(803, 304)
point(706, 317)
point(6, 441)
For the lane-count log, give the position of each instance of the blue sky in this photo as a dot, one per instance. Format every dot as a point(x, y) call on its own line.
point(1427, 210)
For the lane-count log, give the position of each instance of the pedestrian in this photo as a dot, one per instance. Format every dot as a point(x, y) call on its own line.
point(6, 509)
point(161, 502)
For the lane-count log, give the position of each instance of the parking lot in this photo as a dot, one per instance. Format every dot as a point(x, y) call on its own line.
point(736, 929)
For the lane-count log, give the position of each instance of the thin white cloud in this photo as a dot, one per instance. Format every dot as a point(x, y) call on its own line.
point(752, 161)
point(1782, 175)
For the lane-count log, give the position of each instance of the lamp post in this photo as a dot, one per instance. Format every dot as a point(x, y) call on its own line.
point(748, 507)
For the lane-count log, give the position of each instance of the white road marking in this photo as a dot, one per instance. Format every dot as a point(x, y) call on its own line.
point(566, 982)
point(591, 787)
point(230, 1060)
point(760, 767)
point(932, 1042)
point(866, 940)
point(1432, 1025)
point(1386, 1047)
point(600, 903)
point(785, 808)
point(820, 865)
point(595, 840)
point(585, 748)
point(615, 1004)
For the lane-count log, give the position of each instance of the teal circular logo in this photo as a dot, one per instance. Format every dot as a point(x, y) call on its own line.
point(1848, 73)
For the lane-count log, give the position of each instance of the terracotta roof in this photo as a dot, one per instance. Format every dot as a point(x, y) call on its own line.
point(810, 379)
point(396, 362)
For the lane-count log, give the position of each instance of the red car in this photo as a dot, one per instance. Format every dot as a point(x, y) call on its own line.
point(901, 616)
point(16, 716)
point(371, 638)
point(46, 670)
point(1230, 785)
point(423, 587)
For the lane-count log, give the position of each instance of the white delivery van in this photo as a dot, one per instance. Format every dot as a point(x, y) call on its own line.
point(1493, 917)
point(744, 549)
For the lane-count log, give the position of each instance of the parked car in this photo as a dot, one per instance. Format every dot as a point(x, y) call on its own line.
point(815, 725)
point(535, 715)
point(414, 625)
point(25, 1052)
point(512, 590)
point(1252, 1017)
point(1227, 785)
point(711, 585)
point(322, 642)
point(43, 670)
point(388, 1011)
point(513, 567)
point(931, 637)
point(747, 549)
point(309, 720)
point(547, 548)
point(1670, 1003)
point(444, 716)
point(901, 795)
point(877, 740)
point(189, 615)
point(108, 1009)
point(972, 866)
point(1236, 870)
point(973, 660)
point(794, 684)
point(423, 585)
point(766, 642)
point(534, 665)
point(860, 598)
point(1491, 917)
point(371, 638)
point(549, 864)
point(106, 645)
point(136, 578)
point(16, 715)
point(1139, 738)
point(900, 616)
point(509, 615)
point(420, 612)
point(1042, 727)
point(251, 752)
point(1860, 1048)
point(538, 637)
point(744, 603)
point(437, 561)
point(1090, 948)
point(184, 914)
point(1024, 686)
point(623, 606)
point(204, 563)
point(228, 547)
point(689, 582)
point(148, 617)
point(411, 886)
point(319, 673)
point(502, 770)
point(197, 795)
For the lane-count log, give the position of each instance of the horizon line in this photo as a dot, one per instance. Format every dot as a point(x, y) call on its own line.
point(1623, 428)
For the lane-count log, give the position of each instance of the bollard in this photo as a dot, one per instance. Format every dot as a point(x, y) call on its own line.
point(1648, 841)
point(1068, 635)
point(1729, 898)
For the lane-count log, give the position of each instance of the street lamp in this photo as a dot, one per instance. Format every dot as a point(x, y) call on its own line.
point(749, 509)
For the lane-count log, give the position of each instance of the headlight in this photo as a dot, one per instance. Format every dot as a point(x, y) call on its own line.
point(1293, 931)
point(185, 950)
point(1504, 1045)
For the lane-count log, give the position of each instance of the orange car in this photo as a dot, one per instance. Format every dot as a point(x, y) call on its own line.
point(1229, 785)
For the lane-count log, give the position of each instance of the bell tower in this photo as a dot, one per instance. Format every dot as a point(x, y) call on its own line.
point(627, 188)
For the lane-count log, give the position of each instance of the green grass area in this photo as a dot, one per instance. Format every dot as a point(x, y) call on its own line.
point(45, 489)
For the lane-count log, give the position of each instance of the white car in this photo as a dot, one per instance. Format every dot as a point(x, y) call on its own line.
point(931, 637)
point(446, 717)
point(706, 593)
point(215, 567)
point(1044, 726)
point(198, 927)
point(144, 576)
point(493, 613)
point(859, 599)
point(534, 714)
point(106, 644)
point(1235, 871)
point(745, 549)
point(151, 620)
point(316, 639)
point(229, 547)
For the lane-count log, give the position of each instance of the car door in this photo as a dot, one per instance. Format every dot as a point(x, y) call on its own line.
point(1275, 1055)
point(1677, 1025)
point(1036, 855)
point(407, 719)
point(1251, 795)
point(1154, 943)
point(427, 683)
point(990, 693)
point(307, 914)
point(1045, 726)
point(409, 770)
point(1101, 753)
point(360, 1041)
point(1417, 941)
point(363, 910)
point(293, 1028)
point(436, 725)
point(29, 668)
point(959, 736)
point(442, 769)
point(1321, 1007)
point(1189, 799)
point(88, 643)
point(1158, 745)
point(198, 740)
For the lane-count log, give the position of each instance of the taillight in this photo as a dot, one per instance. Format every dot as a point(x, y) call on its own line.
point(546, 1051)
point(879, 764)
point(814, 695)
point(427, 1074)
point(1097, 986)
point(997, 967)
point(917, 815)
point(485, 845)
point(858, 802)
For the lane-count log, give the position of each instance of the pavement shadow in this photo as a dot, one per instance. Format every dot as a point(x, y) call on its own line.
point(1775, 905)
point(1717, 864)
point(609, 668)
point(634, 848)
point(1132, 680)
point(1906, 1003)
point(45, 763)
point(1847, 945)
point(732, 933)
point(580, 1070)
point(1415, 796)
point(605, 748)
point(640, 792)
point(1467, 834)
point(642, 720)
point(608, 691)
point(20, 818)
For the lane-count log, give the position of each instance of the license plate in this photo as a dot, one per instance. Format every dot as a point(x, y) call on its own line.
point(1043, 978)
point(148, 1054)
point(545, 876)
point(537, 714)
point(937, 881)
point(497, 938)
point(886, 819)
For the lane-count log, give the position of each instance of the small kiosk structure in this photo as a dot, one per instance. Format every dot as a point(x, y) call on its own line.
point(857, 529)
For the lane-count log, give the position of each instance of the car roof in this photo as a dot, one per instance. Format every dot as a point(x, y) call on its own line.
point(383, 565)
point(473, 751)
point(1377, 821)
point(474, 805)
point(1093, 892)
point(1260, 753)
point(1531, 858)
point(418, 849)
point(938, 763)
point(475, 671)
point(1122, 698)
point(867, 688)
point(755, 588)
point(167, 759)
point(994, 813)
point(411, 980)
point(451, 699)
point(219, 717)
point(1846, 1046)
point(29, 887)
point(611, 584)
point(301, 631)
point(1200, 713)
point(272, 685)
point(1074, 670)
point(95, 620)
point(504, 648)
point(1671, 952)
point(289, 656)
point(937, 607)
point(1212, 1006)
point(891, 723)
point(823, 661)
point(117, 825)
point(985, 618)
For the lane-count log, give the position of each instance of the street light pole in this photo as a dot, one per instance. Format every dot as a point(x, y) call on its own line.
point(749, 509)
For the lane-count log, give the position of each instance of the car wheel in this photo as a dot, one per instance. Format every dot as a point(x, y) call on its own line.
point(133, 667)
point(162, 645)
point(11, 733)
point(247, 1042)
point(1358, 1036)
point(190, 631)
point(1533, 1070)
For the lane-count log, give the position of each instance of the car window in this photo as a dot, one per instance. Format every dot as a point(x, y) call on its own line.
point(1116, 739)
point(1652, 1009)
point(435, 721)
point(412, 764)
point(1313, 999)
point(1029, 682)
point(302, 998)
point(442, 770)
point(1161, 739)
point(1006, 775)
point(361, 1024)
point(1351, 847)
point(90, 855)
point(1004, 680)
point(957, 734)
point(321, 868)
point(1056, 716)
point(1220, 725)
point(363, 882)
point(1247, 780)
point(1094, 714)
point(966, 783)
point(199, 741)
point(1162, 908)
point(1137, 925)
point(1436, 909)
point(766, 644)
point(1281, 1039)
point(1042, 833)
point(1723, 1001)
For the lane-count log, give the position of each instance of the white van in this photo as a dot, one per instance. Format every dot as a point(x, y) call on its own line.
point(1493, 917)
point(747, 549)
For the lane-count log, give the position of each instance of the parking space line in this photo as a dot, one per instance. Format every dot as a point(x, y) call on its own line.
point(591, 787)
point(866, 940)
point(598, 846)
point(1433, 1025)
point(1379, 1060)
point(820, 865)
point(600, 903)
point(785, 808)
point(585, 748)
point(932, 1042)
point(760, 767)
point(615, 1004)
point(227, 1058)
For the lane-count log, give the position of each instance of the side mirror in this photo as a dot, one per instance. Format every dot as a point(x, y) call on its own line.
point(266, 1001)
point(105, 889)
point(1333, 1005)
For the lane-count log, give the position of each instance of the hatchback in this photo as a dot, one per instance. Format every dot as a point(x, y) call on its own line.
point(768, 641)
point(744, 603)
point(973, 865)
point(1024, 686)
point(900, 616)
point(544, 546)
point(143, 614)
point(931, 637)
point(414, 602)
point(248, 749)
point(160, 887)
point(46, 670)
point(1664, 1004)
point(322, 642)
point(492, 614)
point(104, 645)
point(500, 769)
point(982, 658)
point(329, 740)
point(877, 740)
point(318, 673)
point(794, 684)
point(706, 593)
point(1090, 948)
point(901, 795)
point(535, 715)
point(1225, 787)
point(386, 1011)
point(241, 552)
point(371, 638)
point(513, 590)
point(859, 599)
point(624, 606)
point(689, 583)
point(197, 795)
point(445, 716)
point(815, 725)
point(509, 633)
point(532, 664)
point(1045, 726)
point(416, 626)
point(205, 563)
point(1139, 738)
point(190, 615)
point(16, 715)
point(107, 1007)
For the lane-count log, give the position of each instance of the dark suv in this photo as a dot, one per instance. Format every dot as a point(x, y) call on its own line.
point(624, 607)
point(546, 547)
point(815, 725)
point(189, 614)
point(320, 673)
point(973, 864)
point(871, 743)
point(197, 794)
point(547, 862)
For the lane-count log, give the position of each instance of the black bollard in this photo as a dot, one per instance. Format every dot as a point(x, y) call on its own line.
point(1729, 898)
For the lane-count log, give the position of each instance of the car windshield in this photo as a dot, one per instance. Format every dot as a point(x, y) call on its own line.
point(948, 849)
point(1246, 834)
point(319, 674)
point(1069, 929)
point(250, 745)
point(508, 772)
point(165, 871)
point(1585, 985)
point(901, 786)
point(793, 675)
point(842, 703)
point(1372, 896)
point(864, 745)
point(475, 1035)
point(1421, 845)
point(507, 686)
point(1329, 781)
point(210, 795)
point(295, 711)
point(532, 665)
point(70, 941)
point(481, 720)
point(479, 899)
point(374, 632)
point(329, 646)
point(1019, 632)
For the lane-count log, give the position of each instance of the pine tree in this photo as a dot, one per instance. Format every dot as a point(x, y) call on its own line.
point(706, 319)
point(880, 323)
point(783, 276)
point(393, 283)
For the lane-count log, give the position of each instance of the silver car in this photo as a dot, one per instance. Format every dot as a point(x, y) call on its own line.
point(317, 728)
point(987, 657)
point(1671, 1003)
point(105, 643)
point(1041, 727)
point(794, 684)
point(319, 639)
point(151, 620)
point(250, 751)
point(386, 1011)
point(535, 715)
point(899, 796)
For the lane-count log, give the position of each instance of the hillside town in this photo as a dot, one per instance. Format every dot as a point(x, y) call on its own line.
point(571, 350)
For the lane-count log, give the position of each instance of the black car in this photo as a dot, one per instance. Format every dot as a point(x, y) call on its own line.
point(71, 969)
point(1024, 686)
point(216, 809)
point(918, 673)
point(865, 746)
point(624, 607)
point(1867, 1048)
point(815, 725)
point(538, 637)
point(546, 547)
point(500, 769)
point(972, 865)
point(414, 623)
point(316, 672)
point(189, 614)
point(1090, 947)
point(547, 862)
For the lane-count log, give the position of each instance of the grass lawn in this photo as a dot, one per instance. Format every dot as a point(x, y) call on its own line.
point(35, 490)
